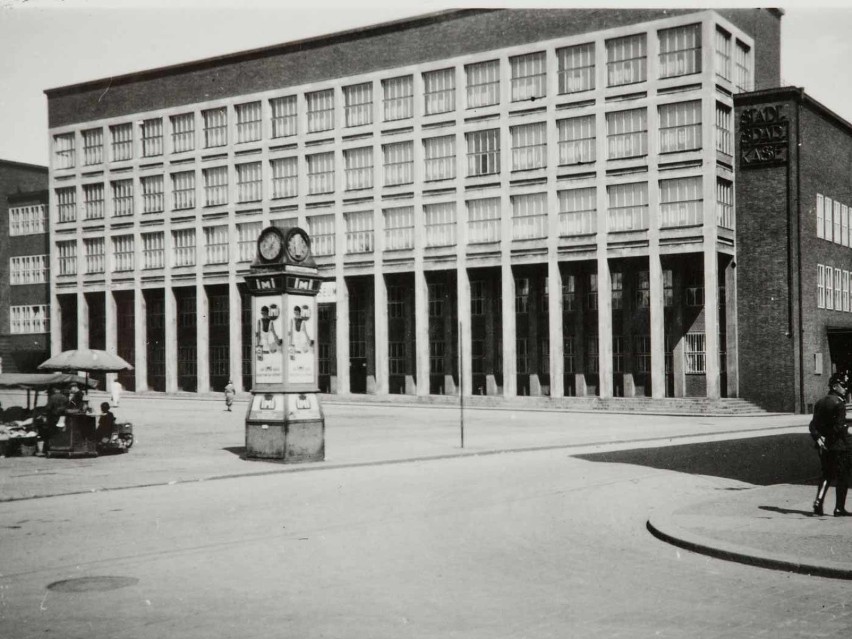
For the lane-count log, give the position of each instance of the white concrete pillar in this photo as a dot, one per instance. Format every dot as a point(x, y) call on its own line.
point(140, 340)
point(421, 331)
point(170, 329)
point(604, 326)
point(342, 334)
point(110, 331)
point(82, 320)
point(202, 338)
point(554, 308)
point(465, 334)
point(235, 332)
point(380, 292)
point(510, 363)
point(658, 331)
point(711, 322)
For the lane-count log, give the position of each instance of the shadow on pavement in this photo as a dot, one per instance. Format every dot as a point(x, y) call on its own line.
point(239, 451)
point(763, 461)
point(787, 511)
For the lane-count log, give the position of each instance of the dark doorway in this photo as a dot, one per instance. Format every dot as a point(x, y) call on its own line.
point(840, 349)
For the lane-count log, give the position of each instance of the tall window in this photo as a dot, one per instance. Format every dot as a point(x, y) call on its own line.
point(440, 224)
point(569, 294)
point(320, 173)
point(320, 110)
point(358, 165)
point(27, 220)
point(643, 290)
point(284, 116)
point(153, 250)
point(617, 280)
point(628, 207)
point(437, 295)
point(398, 163)
point(440, 91)
point(216, 244)
point(152, 193)
point(680, 51)
point(483, 84)
point(67, 252)
point(820, 216)
point(248, 121)
point(522, 295)
point(122, 198)
point(122, 253)
point(578, 211)
point(723, 54)
point(215, 127)
point(183, 190)
point(183, 247)
point(29, 269)
point(66, 203)
point(742, 62)
point(359, 232)
point(592, 353)
point(724, 129)
point(398, 98)
point(65, 153)
point(440, 157)
point(477, 298)
point(215, 185)
point(122, 141)
point(183, 132)
point(152, 137)
point(396, 357)
point(725, 204)
point(643, 353)
point(529, 216)
point(483, 220)
point(576, 140)
point(399, 228)
point(529, 146)
point(93, 200)
point(529, 76)
point(29, 319)
point(358, 104)
point(93, 248)
point(322, 230)
point(569, 356)
point(627, 133)
point(249, 182)
point(285, 177)
point(483, 152)
point(693, 353)
point(247, 233)
point(93, 146)
point(626, 60)
point(682, 202)
point(680, 126)
point(576, 68)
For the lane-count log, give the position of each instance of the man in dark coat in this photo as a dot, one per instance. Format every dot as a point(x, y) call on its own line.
point(829, 431)
point(57, 403)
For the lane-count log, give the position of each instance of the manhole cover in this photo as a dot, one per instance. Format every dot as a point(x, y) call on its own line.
point(92, 584)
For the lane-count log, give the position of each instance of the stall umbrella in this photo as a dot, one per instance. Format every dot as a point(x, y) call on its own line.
point(87, 360)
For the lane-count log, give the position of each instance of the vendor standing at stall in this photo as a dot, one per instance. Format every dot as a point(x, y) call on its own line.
point(57, 404)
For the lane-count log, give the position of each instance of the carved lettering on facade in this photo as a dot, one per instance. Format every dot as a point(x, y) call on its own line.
point(764, 136)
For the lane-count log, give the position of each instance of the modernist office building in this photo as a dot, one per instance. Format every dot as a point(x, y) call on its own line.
point(24, 267)
point(515, 201)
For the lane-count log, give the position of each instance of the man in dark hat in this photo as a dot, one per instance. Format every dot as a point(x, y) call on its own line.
point(829, 431)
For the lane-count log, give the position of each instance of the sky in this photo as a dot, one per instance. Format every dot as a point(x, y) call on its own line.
point(52, 43)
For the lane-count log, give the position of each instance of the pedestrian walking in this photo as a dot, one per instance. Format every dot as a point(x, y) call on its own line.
point(831, 435)
point(116, 392)
point(230, 391)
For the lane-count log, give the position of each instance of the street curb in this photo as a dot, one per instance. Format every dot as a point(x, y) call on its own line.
point(662, 527)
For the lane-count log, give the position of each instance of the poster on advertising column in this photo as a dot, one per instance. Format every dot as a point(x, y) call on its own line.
point(268, 340)
point(301, 359)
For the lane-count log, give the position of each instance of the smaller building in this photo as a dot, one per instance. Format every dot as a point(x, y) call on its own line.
point(24, 267)
point(794, 238)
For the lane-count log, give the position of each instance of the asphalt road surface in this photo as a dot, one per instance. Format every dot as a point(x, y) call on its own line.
point(534, 544)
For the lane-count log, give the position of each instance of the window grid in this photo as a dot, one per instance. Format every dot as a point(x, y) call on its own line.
point(152, 137)
point(358, 165)
point(483, 152)
point(723, 54)
point(67, 252)
point(183, 241)
point(284, 116)
point(838, 292)
point(320, 110)
point(396, 301)
point(682, 202)
point(358, 104)
point(483, 220)
point(724, 129)
point(820, 216)
point(725, 215)
point(123, 253)
point(440, 91)
point(440, 224)
point(680, 126)
point(93, 146)
point(29, 269)
point(216, 244)
point(249, 182)
point(398, 163)
point(529, 216)
point(529, 76)
point(617, 285)
point(359, 232)
point(693, 353)
point(440, 157)
point(627, 133)
point(215, 186)
point(578, 211)
point(398, 98)
point(643, 290)
point(643, 353)
point(322, 229)
point(64, 151)
point(66, 204)
point(248, 121)
point(93, 200)
point(592, 356)
point(94, 251)
point(569, 295)
point(215, 127)
point(27, 220)
point(477, 298)
point(522, 295)
point(320, 173)
point(122, 142)
point(576, 68)
point(29, 320)
point(529, 146)
point(628, 207)
point(396, 358)
point(183, 132)
point(618, 354)
point(152, 193)
point(576, 140)
point(820, 286)
point(592, 294)
point(247, 234)
point(742, 62)
point(153, 250)
point(399, 228)
point(680, 51)
point(183, 190)
point(483, 83)
point(568, 355)
point(285, 177)
point(626, 60)
point(122, 198)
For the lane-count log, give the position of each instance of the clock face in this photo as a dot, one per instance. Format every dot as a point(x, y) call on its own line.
point(297, 246)
point(269, 245)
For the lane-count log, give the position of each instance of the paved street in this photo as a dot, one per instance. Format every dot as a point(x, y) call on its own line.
point(530, 544)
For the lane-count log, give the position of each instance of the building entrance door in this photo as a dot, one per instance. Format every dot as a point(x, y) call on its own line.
point(840, 349)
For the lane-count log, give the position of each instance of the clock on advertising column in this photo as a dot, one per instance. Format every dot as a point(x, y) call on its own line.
point(283, 246)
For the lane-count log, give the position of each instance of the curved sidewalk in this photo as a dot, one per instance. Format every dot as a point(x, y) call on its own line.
point(772, 527)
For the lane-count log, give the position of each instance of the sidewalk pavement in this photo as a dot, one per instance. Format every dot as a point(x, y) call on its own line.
point(768, 526)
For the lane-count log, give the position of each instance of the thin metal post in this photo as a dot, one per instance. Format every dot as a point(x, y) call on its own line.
point(461, 387)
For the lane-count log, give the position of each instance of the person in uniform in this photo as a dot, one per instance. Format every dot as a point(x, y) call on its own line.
point(831, 436)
